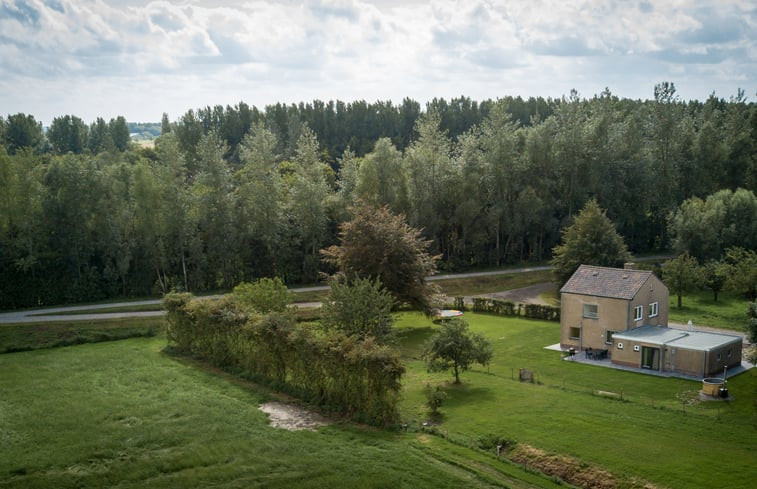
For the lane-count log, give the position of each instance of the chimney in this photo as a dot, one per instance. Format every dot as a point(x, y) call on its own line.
point(629, 265)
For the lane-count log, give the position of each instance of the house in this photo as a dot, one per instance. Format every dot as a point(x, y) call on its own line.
point(623, 313)
point(694, 353)
point(597, 302)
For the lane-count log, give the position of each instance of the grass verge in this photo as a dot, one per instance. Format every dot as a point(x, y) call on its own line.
point(33, 336)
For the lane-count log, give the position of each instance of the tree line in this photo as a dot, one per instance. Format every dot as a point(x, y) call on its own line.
point(233, 194)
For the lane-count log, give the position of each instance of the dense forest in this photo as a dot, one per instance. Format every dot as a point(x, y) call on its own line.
point(235, 193)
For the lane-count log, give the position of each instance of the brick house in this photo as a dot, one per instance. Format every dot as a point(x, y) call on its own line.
point(599, 301)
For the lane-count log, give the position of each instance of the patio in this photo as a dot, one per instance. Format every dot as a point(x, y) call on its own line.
point(604, 361)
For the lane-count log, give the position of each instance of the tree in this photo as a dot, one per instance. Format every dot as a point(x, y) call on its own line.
point(22, 131)
point(67, 134)
point(377, 244)
point(361, 307)
point(723, 220)
point(681, 274)
point(119, 132)
point(714, 275)
point(752, 324)
point(259, 198)
point(742, 267)
point(264, 295)
point(99, 136)
point(590, 240)
point(309, 192)
point(456, 348)
point(165, 124)
point(435, 397)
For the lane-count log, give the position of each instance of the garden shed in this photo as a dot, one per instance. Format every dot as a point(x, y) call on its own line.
point(695, 353)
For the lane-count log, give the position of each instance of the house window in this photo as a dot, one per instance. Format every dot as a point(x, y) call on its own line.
point(608, 337)
point(638, 313)
point(591, 311)
point(653, 309)
point(730, 352)
point(720, 356)
point(575, 333)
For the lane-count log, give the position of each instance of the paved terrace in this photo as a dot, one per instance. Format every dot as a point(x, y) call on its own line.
point(580, 357)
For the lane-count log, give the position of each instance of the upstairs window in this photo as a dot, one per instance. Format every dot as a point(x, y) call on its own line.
point(653, 309)
point(591, 311)
point(638, 313)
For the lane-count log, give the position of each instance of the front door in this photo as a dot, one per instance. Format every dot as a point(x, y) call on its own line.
point(650, 357)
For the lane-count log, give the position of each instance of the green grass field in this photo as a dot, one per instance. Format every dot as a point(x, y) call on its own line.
point(123, 414)
point(729, 312)
point(647, 435)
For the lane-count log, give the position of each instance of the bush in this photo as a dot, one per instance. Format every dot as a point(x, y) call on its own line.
point(491, 442)
point(435, 397)
point(510, 309)
point(264, 295)
point(357, 377)
point(361, 307)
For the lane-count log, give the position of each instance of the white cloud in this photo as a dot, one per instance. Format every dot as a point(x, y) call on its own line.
point(178, 55)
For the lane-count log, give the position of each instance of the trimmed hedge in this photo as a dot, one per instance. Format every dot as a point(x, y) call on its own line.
point(357, 378)
point(510, 309)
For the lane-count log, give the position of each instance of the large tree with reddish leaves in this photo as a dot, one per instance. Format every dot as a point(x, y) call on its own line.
point(377, 244)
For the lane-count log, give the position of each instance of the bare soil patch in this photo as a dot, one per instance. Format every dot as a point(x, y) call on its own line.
point(291, 417)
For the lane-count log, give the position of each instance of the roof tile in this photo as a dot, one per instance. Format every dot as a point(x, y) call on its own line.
point(618, 283)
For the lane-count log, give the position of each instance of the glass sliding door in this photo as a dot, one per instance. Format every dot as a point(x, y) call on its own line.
point(650, 357)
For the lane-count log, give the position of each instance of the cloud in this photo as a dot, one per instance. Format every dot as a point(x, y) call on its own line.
point(192, 52)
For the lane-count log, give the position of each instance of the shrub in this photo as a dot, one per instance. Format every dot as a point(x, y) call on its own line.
point(358, 377)
point(264, 295)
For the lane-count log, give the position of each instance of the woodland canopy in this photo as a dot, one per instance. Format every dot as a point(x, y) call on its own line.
point(233, 194)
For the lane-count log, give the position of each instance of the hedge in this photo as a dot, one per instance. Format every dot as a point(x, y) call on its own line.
point(357, 378)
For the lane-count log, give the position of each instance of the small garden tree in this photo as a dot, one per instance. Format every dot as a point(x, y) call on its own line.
point(590, 240)
point(681, 274)
point(361, 308)
point(742, 271)
point(435, 397)
point(454, 347)
point(714, 276)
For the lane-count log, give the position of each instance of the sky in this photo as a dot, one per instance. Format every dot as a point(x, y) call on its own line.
point(140, 59)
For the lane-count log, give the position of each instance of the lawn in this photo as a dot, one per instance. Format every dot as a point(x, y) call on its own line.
point(729, 312)
point(647, 435)
point(123, 414)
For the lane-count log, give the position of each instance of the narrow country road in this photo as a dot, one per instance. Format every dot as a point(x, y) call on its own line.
point(66, 313)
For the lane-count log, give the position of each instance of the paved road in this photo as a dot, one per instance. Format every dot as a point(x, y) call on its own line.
point(48, 314)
